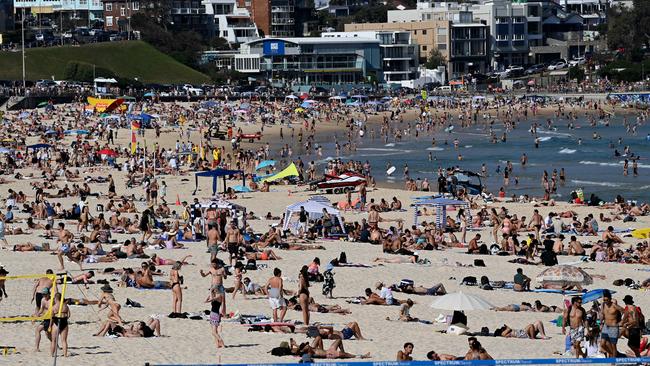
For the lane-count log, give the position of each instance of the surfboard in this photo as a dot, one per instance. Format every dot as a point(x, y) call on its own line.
point(391, 170)
point(641, 233)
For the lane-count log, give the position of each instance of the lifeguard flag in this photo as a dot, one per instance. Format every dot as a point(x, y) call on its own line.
point(135, 125)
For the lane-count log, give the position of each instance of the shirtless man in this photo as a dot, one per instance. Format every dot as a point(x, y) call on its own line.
point(43, 310)
point(473, 245)
point(405, 354)
point(213, 241)
point(373, 217)
point(434, 356)
point(575, 317)
point(536, 221)
point(575, 248)
point(218, 274)
point(476, 350)
point(632, 324)
point(233, 239)
point(610, 332)
point(275, 288)
point(39, 286)
point(64, 238)
point(609, 237)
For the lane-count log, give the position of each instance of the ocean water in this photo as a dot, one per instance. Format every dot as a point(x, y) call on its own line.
point(590, 165)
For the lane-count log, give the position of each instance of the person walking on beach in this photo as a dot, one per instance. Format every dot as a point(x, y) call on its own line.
point(213, 242)
point(215, 316)
point(218, 274)
point(234, 239)
point(275, 289)
point(575, 318)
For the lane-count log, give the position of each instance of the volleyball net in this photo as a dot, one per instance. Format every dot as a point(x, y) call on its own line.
point(19, 297)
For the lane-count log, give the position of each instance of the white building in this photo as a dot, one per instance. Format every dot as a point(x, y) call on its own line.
point(399, 56)
point(74, 9)
point(231, 22)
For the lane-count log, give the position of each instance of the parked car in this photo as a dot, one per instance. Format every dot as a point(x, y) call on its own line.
point(191, 90)
point(557, 65)
point(577, 61)
point(535, 69)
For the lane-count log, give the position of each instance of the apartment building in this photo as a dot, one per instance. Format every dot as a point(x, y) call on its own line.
point(231, 22)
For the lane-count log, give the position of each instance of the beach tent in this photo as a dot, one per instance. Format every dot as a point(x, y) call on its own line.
point(236, 210)
point(39, 146)
point(290, 171)
point(314, 208)
point(440, 204)
point(265, 163)
point(216, 173)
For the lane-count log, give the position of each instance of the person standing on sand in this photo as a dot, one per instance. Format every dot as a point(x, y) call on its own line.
point(177, 292)
point(303, 293)
point(213, 242)
point(575, 317)
point(536, 221)
point(610, 332)
point(275, 288)
point(234, 239)
point(218, 274)
point(59, 325)
point(39, 286)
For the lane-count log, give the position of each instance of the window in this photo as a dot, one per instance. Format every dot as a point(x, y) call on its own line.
point(518, 37)
point(109, 21)
point(122, 11)
point(502, 20)
point(519, 19)
point(424, 48)
point(424, 31)
point(109, 7)
point(415, 31)
point(442, 31)
point(135, 5)
point(442, 46)
point(502, 37)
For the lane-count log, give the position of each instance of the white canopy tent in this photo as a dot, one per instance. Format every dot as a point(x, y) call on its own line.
point(236, 211)
point(314, 208)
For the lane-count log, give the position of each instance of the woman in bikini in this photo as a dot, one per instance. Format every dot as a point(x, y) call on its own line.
point(157, 261)
point(177, 292)
point(303, 293)
point(59, 325)
point(215, 316)
point(108, 300)
point(239, 286)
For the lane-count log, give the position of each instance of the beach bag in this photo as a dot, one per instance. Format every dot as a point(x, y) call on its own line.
point(251, 265)
point(469, 281)
point(281, 351)
point(479, 263)
point(483, 249)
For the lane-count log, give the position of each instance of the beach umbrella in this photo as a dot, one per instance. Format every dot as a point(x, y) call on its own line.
point(265, 163)
point(291, 97)
point(42, 104)
point(107, 152)
point(245, 106)
point(149, 94)
point(461, 301)
point(299, 110)
point(563, 274)
point(77, 132)
point(4, 150)
point(594, 295)
point(50, 132)
point(306, 105)
point(241, 188)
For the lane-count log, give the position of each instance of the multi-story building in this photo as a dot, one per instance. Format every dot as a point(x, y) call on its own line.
point(428, 35)
point(82, 11)
point(190, 15)
point(399, 56)
point(274, 18)
point(468, 46)
point(233, 23)
point(118, 13)
point(312, 60)
point(6, 15)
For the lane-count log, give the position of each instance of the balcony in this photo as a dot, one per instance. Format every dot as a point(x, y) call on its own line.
point(283, 21)
point(282, 9)
point(188, 11)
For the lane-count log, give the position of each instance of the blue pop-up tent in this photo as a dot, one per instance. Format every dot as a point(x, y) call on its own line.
point(216, 173)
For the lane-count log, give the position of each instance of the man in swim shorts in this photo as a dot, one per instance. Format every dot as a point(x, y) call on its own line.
point(275, 289)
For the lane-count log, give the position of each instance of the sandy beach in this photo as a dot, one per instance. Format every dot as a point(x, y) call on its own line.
point(185, 341)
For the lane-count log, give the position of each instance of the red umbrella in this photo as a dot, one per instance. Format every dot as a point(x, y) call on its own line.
point(107, 152)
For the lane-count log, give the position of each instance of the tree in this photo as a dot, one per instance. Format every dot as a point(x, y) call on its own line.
point(435, 59)
point(576, 73)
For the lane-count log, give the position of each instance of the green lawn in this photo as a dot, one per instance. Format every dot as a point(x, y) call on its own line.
point(132, 59)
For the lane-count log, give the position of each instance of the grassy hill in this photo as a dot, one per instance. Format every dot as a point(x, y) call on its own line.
point(133, 59)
